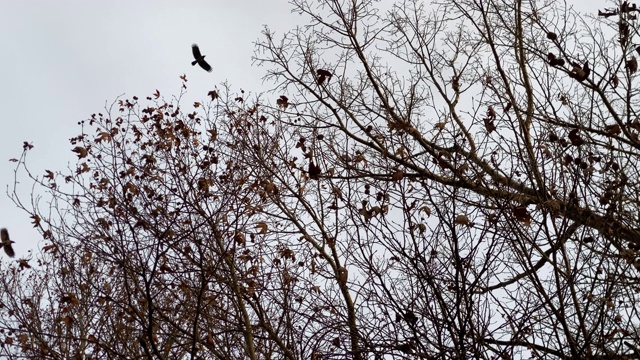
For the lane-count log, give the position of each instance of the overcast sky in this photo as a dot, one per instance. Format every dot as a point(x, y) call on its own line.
point(63, 60)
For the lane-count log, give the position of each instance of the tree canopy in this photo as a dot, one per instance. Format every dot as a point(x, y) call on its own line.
point(454, 180)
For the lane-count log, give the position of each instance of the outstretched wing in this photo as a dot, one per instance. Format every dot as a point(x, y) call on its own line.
point(6, 242)
point(9, 250)
point(205, 65)
point(196, 51)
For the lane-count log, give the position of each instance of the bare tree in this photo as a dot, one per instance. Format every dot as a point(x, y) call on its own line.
point(145, 253)
point(476, 166)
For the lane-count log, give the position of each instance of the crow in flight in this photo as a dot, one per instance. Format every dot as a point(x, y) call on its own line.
point(6, 242)
point(199, 58)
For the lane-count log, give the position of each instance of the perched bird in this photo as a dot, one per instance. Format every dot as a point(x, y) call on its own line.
point(323, 75)
point(578, 72)
point(632, 65)
point(554, 61)
point(6, 242)
point(283, 102)
point(199, 58)
point(342, 274)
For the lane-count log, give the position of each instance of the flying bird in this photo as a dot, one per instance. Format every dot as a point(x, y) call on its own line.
point(199, 58)
point(6, 242)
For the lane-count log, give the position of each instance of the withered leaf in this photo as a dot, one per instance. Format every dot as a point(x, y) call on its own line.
point(314, 171)
point(35, 220)
point(336, 342)
point(575, 139)
point(397, 175)
point(410, 317)
point(623, 29)
point(406, 348)
point(613, 129)
point(521, 214)
point(462, 220)
point(263, 227)
point(82, 152)
point(491, 113)
point(239, 238)
point(489, 125)
point(24, 264)
point(213, 133)
point(214, 94)
point(607, 14)
point(426, 210)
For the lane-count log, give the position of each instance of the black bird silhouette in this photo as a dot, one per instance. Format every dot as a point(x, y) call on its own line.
point(199, 58)
point(6, 242)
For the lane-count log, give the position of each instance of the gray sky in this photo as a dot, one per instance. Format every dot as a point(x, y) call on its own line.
point(62, 60)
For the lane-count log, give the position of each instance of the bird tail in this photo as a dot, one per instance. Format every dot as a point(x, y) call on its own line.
point(194, 62)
